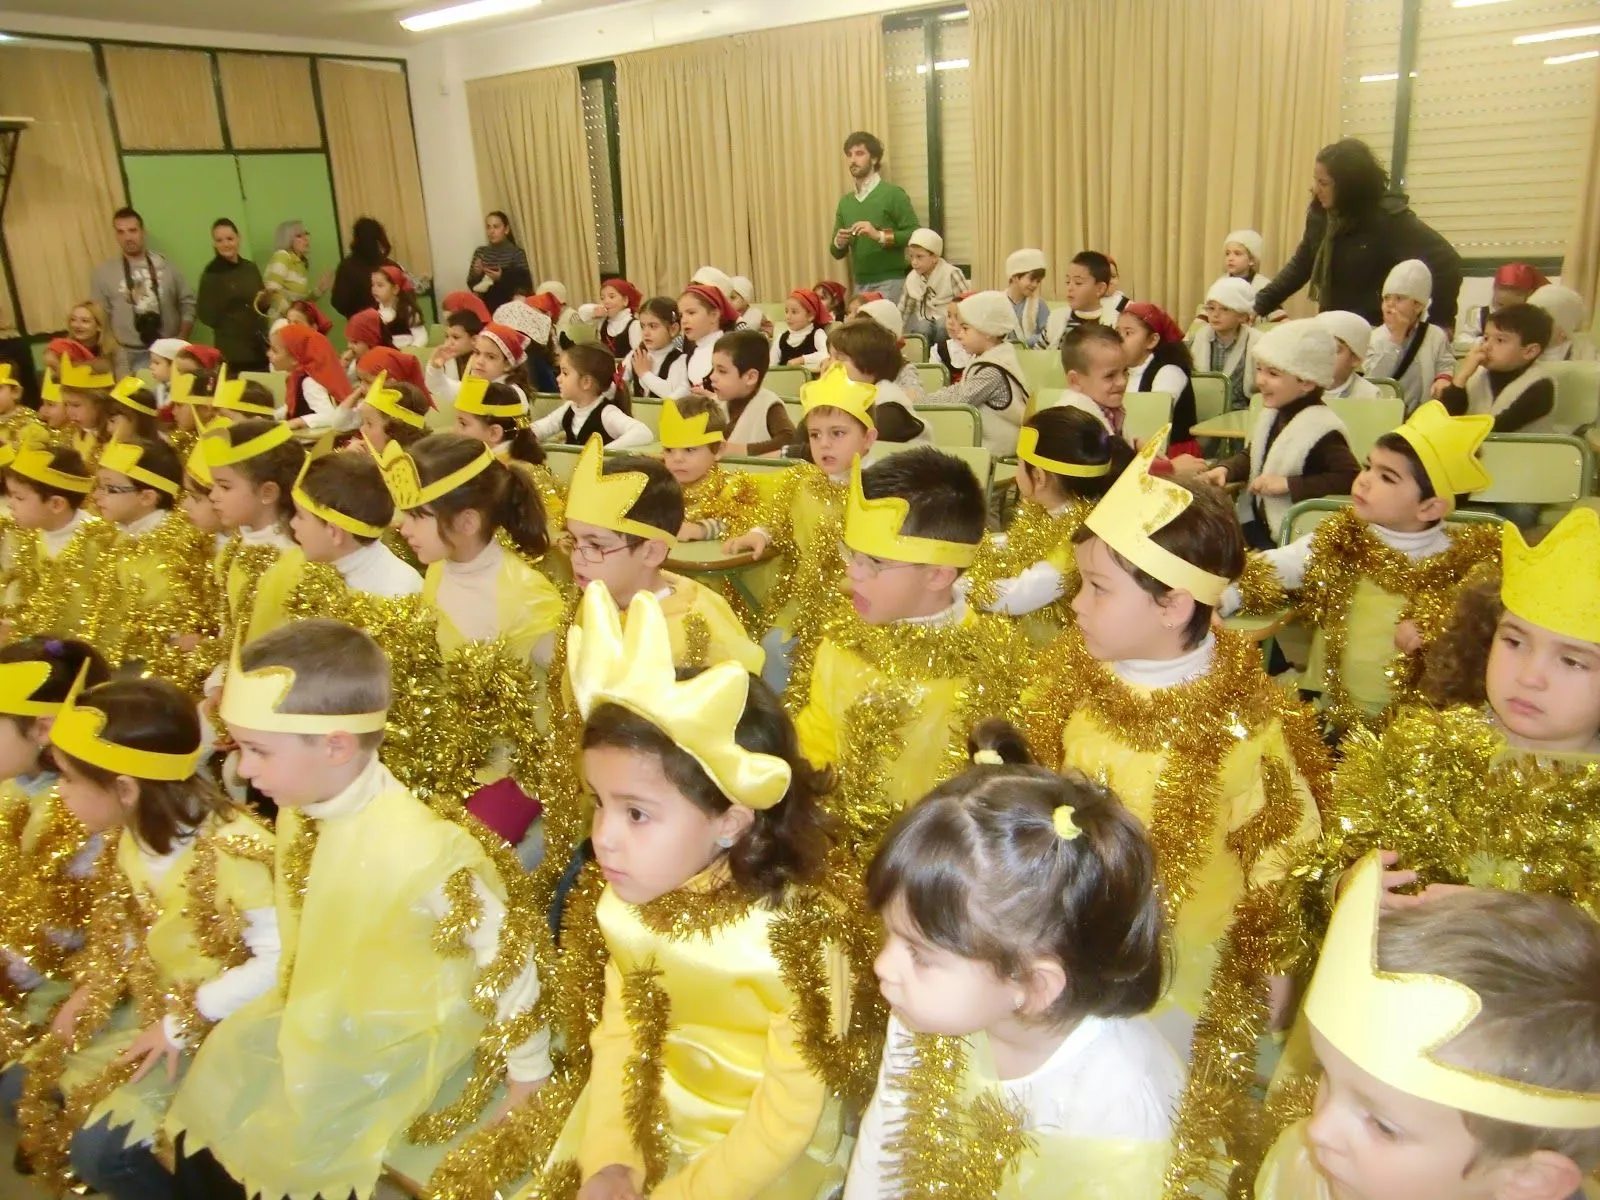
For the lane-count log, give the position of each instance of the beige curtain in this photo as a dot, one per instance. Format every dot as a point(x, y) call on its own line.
point(1176, 121)
point(533, 163)
point(794, 95)
point(269, 101)
point(67, 182)
point(1581, 268)
point(164, 99)
point(373, 154)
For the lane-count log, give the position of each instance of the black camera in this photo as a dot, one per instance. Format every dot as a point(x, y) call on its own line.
point(148, 326)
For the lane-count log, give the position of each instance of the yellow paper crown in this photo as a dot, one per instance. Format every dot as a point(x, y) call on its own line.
point(678, 432)
point(84, 378)
point(1136, 506)
point(221, 452)
point(470, 399)
point(19, 681)
point(837, 390)
point(7, 379)
point(128, 392)
point(76, 731)
point(230, 396)
point(181, 389)
point(405, 486)
point(1551, 584)
point(873, 527)
point(50, 388)
point(596, 498)
point(1392, 1026)
point(1448, 448)
point(633, 668)
point(33, 462)
point(387, 401)
point(124, 458)
point(326, 513)
point(250, 700)
point(1028, 452)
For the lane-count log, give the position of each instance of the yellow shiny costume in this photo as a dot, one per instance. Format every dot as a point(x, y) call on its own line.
point(154, 588)
point(527, 606)
point(1034, 535)
point(704, 628)
point(722, 500)
point(47, 906)
point(54, 595)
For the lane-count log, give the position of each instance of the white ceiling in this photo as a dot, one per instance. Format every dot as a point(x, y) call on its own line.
point(375, 22)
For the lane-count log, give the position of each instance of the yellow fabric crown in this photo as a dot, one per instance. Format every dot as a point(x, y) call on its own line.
point(405, 486)
point(596, 498)
point(250, 700)
point(19, 681)
point(1139, 504)
point(387, 401)
point(76, 731)
point(84, 378)
point(1448, 448)
point(50, 388)
point(1028, 452)
point(326, 513)
point(873, 527)
point(1551, 584)
point(124, 457)
point(608, 664)
point(470, 399)
point(221, 452)
point(684, 433)
point(33, 462)
point(128, 393)
point(1392, 1026)
point(837, 390)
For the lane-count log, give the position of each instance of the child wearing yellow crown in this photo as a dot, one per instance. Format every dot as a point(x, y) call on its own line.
point(1221, 765)
point(405, 948)
point(392, 411)
point(134, 412)
point(341, 511)
point(907, 668)
point(704, 989)
point(87, 403)
point(55, 546)
point(1378, 579)
point(802, 518)
point(156, 581)
point(496, 414)
point(183, 925)
point(52, 409)
point(15, 415)
point(1066, 461)
point(1459, 1052)
point(693, 437)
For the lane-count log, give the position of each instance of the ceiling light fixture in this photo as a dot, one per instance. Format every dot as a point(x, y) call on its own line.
point(948, 64)
point(1391, 77)
point(1558, 59)
point(1556, 35)
point(1473, 3)
point(457, 14)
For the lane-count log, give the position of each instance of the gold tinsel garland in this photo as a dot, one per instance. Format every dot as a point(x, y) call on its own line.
point(297, 841)
point(1033, 536)
point(49, 589)
point(247, 563)
point(684, 913)
point(725, 497)
point(463, 914)
point(649, 1010)
point(135, 629)
point(944, 1146)
point(42, 895)
point(696, 641)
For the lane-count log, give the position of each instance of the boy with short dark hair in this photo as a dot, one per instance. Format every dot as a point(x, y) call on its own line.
point(693, 440)
point(1097, 374)
point(758, 422)
point(1501, 375)
point(55, 549)
point(341, 512)
point(1088, 282)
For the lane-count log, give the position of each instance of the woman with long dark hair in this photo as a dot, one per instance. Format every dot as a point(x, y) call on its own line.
point(369, 250)
point(488, 273)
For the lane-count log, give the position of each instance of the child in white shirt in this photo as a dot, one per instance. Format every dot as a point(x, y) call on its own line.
point(659, 349)
point(805, 341)
point(1405, 347)
point(932, 286)
point(619, 328)
point(590, 404)
point(1025, 270)
point(1224, 342)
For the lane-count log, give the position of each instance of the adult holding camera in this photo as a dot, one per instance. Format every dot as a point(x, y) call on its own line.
point(145, 294)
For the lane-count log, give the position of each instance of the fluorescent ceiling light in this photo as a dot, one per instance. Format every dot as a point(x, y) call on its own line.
point(457, 14)
point(1473, 3)
point(948, 64)
point(1391, 77)
point(1556, 35)
point(1558, 59)
point(960, 14)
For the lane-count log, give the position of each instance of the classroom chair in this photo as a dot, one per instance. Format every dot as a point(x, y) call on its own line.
point(1146, 414)
point(951, 424)
point(1387, 388)
point(562, 460)
point(975, 457)
point(787, 381)
point(1041, 369)
point(436, 335)
point(1550, 472)
point(1211, 392)
point(933, 376)
point(774, 311)
point(1368, 420)
point(915, 348)
point(648, 411)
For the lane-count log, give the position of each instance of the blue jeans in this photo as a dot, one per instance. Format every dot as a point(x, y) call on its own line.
point(891, 288)
point(103, 1158)
point(775, 671)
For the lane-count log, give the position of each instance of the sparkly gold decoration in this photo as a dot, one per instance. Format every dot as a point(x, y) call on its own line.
point(464, 913)
point(696, 641)
point(56, 596)
point(687, 912)
point(1034, 535)
point(43, 894)
point(1260, 593)
point(720, 500)
point(297, 846)
point(648, 1010)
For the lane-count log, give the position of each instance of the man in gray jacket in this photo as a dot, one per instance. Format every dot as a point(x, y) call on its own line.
point(144, 294)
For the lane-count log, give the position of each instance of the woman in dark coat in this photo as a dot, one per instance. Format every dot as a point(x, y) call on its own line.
point(352, 282)
point(227, 302)
point(1356, 230)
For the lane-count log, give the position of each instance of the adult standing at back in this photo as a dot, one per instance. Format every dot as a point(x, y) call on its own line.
point(227, 302)
point(288, 274)
point(498, 263)
point(352, 282)
point(1356, 231)
point(873, 221)
point(143, 292)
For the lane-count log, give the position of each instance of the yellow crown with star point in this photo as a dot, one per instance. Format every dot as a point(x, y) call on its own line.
point(387, 401)
point(131, 393)
point(1139, 504)
point(679, 432)
point(230, 397)
point(470, 399)
point(325, 512)
point(873, 527)
point(253, 700)
point(181, 389)
point(78, 729)
point(83, 377)
point(7, 376)
point(837, 390)
point(631, 666)
point(34, 462)
point(222, 451)
point(405, 486)
point(1448, 447)
point(49, 388)
point(1551, 584)
point(19, 684)
point(124, 458)
point(595, 498)
point(1393, 1025)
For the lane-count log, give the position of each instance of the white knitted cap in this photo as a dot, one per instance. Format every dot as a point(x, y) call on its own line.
point(1022, 261)
point(989, 312)
point(885, 313)
point(1249, 239)
point(168, 348)
point(1233, 292)
point(1564, 305)
point(1409, 278)
point(714, 278)
point(928, 240)
point(1350, 328)
point(1303, 349)
point(555, 287)
point(741, 287)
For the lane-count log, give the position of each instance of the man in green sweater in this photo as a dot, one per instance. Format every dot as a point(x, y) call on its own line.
point(873, 222)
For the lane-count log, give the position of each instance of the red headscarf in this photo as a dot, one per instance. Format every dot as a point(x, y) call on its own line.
point(313, 314)
point(314, 358)
point(1157, 319)
point(397, 277)
point(869, 297)
point(513, 343)
point(716, 301)
point(396, 364)
point(467, 302)
point(71, 348)
point(1520, 277)
point(812, 303)
point(208, 357)
point(835, 289)
point(548, 303)
point(626, 290)
point(365, 327)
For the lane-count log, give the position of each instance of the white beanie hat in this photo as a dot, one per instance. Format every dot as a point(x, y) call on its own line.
point(1233, 292)
point(990, 313)
point(168, 348)
point(1564, 305)
point(1409, 278)
point(713, 277)
point(741, 287)
point(885, 313)
point(555, 287)
point(1023, 261)
point(1350, 328)
point(1249, 239)
point(928, 240)
point(1304, 349)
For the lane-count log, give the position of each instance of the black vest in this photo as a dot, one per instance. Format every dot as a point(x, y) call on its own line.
point(619, 344)
point(787, 353)
point(593, 424)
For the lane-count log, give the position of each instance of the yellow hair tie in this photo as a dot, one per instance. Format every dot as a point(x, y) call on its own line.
point(1066, 828)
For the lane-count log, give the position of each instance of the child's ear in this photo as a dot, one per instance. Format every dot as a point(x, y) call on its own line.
point(751, 378)
point(939, 579)
point(39, 731)
point(1177, 607)
point(269, 493)
point(656, 553)
point(1542, 1175)
point(733, 824)
point(1042, 985)
point(57, 504)
point(1531, 351)
point(126, 789)
point(872, 438)
point(718, 449)
point(467, 523)
point(1433, 510)
point(495, 434)
point(342, 747)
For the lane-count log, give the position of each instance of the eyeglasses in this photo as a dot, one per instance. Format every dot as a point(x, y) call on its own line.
point(589, 554)
point(869, 566)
